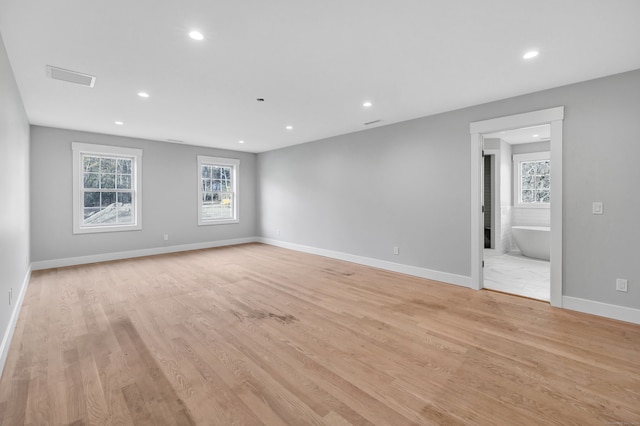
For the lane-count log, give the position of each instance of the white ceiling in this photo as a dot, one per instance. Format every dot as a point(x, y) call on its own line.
point(314, 62)
point(523, 135)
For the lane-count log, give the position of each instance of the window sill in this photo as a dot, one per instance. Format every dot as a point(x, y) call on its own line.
point(217, 222)
point(101, 229)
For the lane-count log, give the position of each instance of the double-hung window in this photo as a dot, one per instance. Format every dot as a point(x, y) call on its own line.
point(532, 179)
point(217, 190)
point(106, 188)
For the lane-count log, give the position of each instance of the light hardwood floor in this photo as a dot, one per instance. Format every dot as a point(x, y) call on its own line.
point(254, 334)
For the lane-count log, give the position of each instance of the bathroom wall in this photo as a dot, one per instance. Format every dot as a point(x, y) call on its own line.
point(506, 191)
point(503, 182)
point(531, 216)
point(527, 148)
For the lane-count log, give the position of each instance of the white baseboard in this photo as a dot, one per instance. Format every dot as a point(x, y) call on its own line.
point(444, 277)
point(81, 260)
point(617, 312)
point(8, 333)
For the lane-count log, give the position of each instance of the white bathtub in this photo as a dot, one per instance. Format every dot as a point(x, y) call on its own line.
point(533, 241)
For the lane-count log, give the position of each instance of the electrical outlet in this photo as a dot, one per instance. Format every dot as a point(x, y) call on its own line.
point(597, 207)
point(278, 232)
point(396, 250)
point(621, 285)
point(166, 237)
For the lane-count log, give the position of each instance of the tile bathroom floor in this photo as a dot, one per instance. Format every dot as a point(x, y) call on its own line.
point(516, 274)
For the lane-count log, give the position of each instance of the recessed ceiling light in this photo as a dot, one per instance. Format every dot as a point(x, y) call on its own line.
point(289, 127)
point(143, 94)
point(119, 123)
point(367, 104)
point(240, 141)
point(196, 35)
point(536, 136)
point(530, 54)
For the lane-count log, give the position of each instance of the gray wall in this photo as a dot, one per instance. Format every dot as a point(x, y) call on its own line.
point(169, 197)
point(366, 192)
point(14, 192)
point(408, 185)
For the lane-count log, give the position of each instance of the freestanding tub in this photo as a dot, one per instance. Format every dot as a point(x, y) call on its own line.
point(533, 241)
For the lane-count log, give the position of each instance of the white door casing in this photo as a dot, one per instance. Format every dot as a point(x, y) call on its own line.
point(554, 117)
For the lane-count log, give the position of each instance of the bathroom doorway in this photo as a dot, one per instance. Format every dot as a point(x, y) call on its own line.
point(491, 129)
point(516, 200)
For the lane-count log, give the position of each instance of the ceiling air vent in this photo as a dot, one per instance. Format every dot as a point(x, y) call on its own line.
point(70, 76)
point(372, 122)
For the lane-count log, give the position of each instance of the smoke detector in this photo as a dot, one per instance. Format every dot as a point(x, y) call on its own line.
point(71, 76)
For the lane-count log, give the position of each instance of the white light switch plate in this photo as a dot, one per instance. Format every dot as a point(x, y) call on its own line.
point(597, 207)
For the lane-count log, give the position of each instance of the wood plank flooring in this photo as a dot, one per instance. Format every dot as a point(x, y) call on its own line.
point(254, 334)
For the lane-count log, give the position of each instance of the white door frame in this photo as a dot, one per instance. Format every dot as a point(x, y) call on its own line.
point(553, 117)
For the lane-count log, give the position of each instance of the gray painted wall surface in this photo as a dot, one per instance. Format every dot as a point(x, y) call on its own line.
point(366, 192)
point(14, 192)
point(408, 185)
point(169, 197)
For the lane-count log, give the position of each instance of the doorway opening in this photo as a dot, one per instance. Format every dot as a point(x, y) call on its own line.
point(516, 200)
point(481, 132)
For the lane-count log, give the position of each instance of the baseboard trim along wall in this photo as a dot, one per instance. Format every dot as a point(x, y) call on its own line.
point(621, 313)
point(81, 260)
point(376, 263)
point(8, 333)
point(606, 310)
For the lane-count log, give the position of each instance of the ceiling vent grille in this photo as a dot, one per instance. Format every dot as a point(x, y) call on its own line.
point(70, 76)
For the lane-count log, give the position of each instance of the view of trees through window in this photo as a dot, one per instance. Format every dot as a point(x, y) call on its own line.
point(107, 190)
point(535, 185)
point(217, 192)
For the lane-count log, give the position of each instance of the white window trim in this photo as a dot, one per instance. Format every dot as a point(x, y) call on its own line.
point(517, 178)
point(233, 162)
point(78, 199)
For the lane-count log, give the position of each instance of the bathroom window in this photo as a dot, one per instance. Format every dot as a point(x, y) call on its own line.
point(532, 179)
point(217, 190)
point(106, 188)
